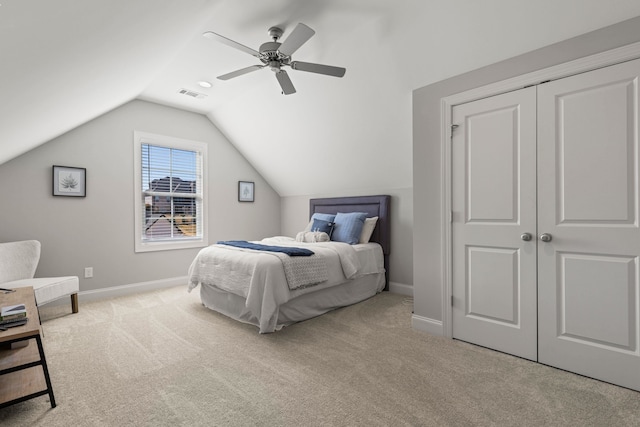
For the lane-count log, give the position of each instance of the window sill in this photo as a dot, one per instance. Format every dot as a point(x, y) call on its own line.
point(170, 245)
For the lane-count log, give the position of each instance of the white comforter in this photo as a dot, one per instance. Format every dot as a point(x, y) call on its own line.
point(259, 277)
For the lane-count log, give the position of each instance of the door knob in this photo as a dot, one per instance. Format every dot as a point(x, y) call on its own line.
point(545, 237)
point(526, 236)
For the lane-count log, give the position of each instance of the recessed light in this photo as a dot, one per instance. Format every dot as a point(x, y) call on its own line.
point(205, 84)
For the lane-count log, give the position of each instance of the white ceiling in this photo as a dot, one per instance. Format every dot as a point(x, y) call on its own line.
point(65, 62)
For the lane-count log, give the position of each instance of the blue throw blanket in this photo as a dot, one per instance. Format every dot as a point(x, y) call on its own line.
point(258, 247)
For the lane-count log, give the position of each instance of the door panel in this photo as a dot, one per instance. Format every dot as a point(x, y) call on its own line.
point(596, 302)
point(492, 284)
point(596, 184)
point(492, 189)
point(493, 203)
point(588, 279)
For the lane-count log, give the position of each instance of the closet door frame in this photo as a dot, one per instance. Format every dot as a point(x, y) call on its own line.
point(589, 63)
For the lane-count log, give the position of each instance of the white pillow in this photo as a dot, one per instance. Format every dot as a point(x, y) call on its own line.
point(367, 229)
point(312, 236)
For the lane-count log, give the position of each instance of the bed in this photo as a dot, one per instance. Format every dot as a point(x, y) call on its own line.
point(263, 288)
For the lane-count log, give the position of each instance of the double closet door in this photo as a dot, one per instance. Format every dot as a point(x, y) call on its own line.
point(545, 226)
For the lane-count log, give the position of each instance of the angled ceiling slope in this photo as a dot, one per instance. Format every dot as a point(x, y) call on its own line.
point(66, 62)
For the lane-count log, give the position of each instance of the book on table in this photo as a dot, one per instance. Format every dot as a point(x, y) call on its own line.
point(12, 323)
point(12, 312)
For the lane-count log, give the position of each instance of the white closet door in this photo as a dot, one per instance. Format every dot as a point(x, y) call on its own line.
point(494, 203)
point(588, 203)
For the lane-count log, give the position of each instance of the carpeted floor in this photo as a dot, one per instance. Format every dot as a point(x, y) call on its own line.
point(161, 358)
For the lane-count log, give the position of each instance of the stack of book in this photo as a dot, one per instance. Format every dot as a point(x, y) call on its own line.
point(13, 315)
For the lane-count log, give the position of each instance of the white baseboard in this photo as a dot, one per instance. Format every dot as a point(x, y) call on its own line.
point(133, 288)
point(401, 288)
point(425, 324)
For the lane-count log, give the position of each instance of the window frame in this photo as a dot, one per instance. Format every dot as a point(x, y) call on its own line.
point(142, 245)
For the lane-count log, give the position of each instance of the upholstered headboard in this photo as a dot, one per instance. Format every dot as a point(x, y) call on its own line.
point(373, 205)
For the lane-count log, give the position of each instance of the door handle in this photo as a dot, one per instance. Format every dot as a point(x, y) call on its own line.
point(526, 236)
point(545, 237)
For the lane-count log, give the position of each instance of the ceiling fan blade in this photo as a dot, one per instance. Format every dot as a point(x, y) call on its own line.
point(297, 38)
point(240, 72)
point(222, 39)
point(318, 68)
point(285, 82)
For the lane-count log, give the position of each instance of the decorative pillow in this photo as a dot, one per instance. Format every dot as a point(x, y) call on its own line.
point(322, 216)
point(322, 225)
point(367, 229)
point(312, 236)
point(348, 227)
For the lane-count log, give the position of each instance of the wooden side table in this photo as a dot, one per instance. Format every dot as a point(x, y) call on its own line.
point(24, 370)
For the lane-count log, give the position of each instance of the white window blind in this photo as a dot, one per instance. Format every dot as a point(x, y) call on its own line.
point(170, 211)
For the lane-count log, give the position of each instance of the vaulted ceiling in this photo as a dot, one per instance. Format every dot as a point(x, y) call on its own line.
point(65, 62)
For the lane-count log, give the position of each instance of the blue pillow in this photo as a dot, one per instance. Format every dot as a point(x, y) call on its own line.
point(323, 216)
point(348, 227)
point(323, 226)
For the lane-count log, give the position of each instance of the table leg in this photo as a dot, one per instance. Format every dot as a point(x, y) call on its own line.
point(46, 371)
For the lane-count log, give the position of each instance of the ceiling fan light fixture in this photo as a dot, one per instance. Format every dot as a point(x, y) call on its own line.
point(274, 65)
point(205, 84)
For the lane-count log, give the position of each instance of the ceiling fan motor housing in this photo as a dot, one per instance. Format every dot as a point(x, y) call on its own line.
point(270, 55)
point(270, 49)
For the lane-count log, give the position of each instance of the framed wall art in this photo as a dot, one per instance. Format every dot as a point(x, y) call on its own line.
point(69, 181)
point(246, 191)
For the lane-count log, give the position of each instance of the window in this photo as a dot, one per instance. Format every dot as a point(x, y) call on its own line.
point(170, 206)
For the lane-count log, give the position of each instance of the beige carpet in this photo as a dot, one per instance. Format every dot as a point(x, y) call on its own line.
point(162, 359)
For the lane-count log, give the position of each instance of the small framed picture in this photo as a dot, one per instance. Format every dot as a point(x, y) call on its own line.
point(69, 181)
point(245, 191)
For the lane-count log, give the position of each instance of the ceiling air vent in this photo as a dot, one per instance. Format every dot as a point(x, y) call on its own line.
point(192, 94)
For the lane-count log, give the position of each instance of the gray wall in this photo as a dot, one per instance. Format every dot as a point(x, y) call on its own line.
point(428, 280)
point(97, 231)
point(295, 216)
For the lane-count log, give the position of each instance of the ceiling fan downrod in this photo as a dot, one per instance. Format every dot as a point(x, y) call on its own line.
point(275, 33)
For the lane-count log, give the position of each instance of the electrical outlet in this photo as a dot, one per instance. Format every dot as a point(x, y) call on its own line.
point(88, 272)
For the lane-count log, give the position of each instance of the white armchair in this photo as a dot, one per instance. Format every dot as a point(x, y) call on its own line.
point(18, 262)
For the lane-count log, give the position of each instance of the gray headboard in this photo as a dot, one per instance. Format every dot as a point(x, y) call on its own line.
point(373, 205)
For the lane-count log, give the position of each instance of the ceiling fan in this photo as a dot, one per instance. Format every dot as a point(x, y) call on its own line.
point(276, 55)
